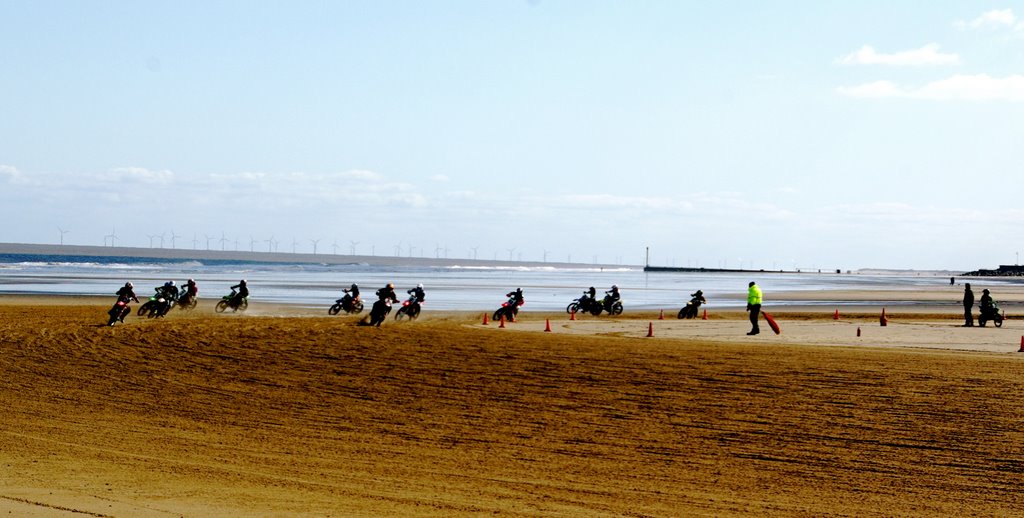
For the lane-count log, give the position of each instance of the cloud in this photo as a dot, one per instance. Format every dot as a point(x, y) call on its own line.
point(977, 88)
point(140, 175)
point(10, 173)
point(991, 20)
point(927, 55)
point(440, 178)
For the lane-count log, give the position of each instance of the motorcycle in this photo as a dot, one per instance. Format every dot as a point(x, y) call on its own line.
point(690, 310)
point(228, 301)
point(613, 308)
point(187, 301)
point(410, 308)
point(508, 310)
point(346, 303)
point(379, 311)
point(584, 304)
point(990, 313)
point(118, 311)
point(157, 306)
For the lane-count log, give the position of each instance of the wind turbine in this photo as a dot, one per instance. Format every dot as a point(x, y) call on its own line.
point(270, 244)
point(223, 239)
point(474, 249)
point(161, 236)
point(151, 237)
point(546, 255)
point(208, 239)
point(252, 243)
point(334, 246)
point(294, 244)
point(510, 250)
point(195, 241)
point(352, 247)
point(398, 249)
point(62, 232)
point(174, 237)
point(315, 242)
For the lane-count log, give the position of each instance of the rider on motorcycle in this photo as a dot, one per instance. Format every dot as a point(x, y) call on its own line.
point(125, 294)
point(352, 291)
point(243, 292)
point(191, 289)
point(387, 293)
point(169, 292)
point(418, 292)
point(987, 304)
point(698, 298)
point(611, 297)
point(517, 296)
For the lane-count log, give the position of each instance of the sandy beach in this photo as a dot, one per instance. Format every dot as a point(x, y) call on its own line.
point(283, 411)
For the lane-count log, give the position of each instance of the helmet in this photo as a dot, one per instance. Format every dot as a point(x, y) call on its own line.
point(984, 290)
point(241, 281)
point(391, 285)
point(191, 281)
point(129, 285)
point(354, 286)
point(420, 285)
point(614, 287)
point(169, 283)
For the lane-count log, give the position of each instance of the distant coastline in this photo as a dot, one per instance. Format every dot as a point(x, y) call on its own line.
point(183, 254)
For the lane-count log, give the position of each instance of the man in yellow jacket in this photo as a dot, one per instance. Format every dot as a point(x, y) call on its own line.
point(754, 306)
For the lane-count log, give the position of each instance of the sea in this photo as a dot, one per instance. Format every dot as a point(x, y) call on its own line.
point(450, 287)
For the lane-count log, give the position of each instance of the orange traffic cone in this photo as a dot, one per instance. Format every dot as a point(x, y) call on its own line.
point(547, 325)
point(882, 320)
point(705, 317)
point(835, 316)
point(661, 315)
point(650, 329)
point(502, 323)
point(1021, 350)
point(572, 316)
point(858, 331)
point(485, 319)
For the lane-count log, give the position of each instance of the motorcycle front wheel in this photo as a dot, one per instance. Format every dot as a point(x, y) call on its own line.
point(146, 309)
point(573, 307)
point(335, 309)
point(221, 306)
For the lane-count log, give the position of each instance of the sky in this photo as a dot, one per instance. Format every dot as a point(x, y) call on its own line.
point(734, 134)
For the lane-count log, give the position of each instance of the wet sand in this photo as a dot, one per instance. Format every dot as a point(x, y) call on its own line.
point(283, 412)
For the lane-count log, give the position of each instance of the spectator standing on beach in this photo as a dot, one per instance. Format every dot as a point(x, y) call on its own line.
point(968, 305)
point(754, 297)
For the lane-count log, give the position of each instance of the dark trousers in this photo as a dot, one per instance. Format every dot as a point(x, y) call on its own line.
point(968, 317)
point(755, 312)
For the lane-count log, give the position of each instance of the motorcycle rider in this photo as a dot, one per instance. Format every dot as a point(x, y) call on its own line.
point(243, 292)
point(611, 297)
point(517, 297)
point(350, 297)
point(987, 304)
point(125, 294)
point(190, 290)
point(169, 292)
point(387, 293)
point(418, 292)
point(696, 299)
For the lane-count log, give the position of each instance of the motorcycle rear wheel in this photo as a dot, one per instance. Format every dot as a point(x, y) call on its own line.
point(616, 309)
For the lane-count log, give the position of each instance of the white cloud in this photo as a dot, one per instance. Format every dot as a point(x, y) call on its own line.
point(440, 178)
point(141, 175)
point(11, 173)
point(994, 19)
point(980, 87)
point(927, 55)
